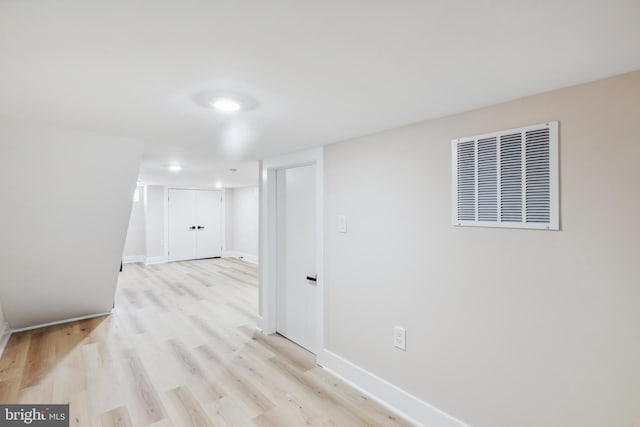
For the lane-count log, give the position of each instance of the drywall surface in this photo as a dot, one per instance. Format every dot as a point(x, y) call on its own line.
point(5, 331)
point(260, 240)
point(3, 321)
point(245, 221)
point(135, 244)
point(505, 327)
point(155, 215)
point(66, 200)
point(228, 219)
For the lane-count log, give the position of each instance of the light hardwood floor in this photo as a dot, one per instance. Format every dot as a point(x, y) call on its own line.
point(180, 349)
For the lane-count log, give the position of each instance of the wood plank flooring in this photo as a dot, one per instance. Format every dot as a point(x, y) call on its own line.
point(180, 349)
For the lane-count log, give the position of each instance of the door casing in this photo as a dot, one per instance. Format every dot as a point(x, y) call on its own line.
point(268, 247)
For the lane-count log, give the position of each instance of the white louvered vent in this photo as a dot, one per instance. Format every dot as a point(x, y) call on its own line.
point(466, 181)
point(487, 179)
point(507, 178)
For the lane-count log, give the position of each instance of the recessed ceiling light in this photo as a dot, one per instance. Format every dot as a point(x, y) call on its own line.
point(225, 101)
point(175, 168)
point(226, 105)
point(218, 185)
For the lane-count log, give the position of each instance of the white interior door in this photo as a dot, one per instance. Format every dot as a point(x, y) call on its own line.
point(209, 223)
point(195, 224)
point(298, 297)
point(182, 225)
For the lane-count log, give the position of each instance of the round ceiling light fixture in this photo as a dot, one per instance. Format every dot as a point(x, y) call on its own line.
point(175, 168)
point(226, 105)
point(225, 101)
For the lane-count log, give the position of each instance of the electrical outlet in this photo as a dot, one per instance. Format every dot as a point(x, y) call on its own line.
point(400, 338)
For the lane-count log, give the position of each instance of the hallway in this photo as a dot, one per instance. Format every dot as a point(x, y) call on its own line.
point(180, 349)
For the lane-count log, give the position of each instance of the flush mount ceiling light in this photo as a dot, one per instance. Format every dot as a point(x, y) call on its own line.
point(225, 101)
point(225, 105)
point(175, 168)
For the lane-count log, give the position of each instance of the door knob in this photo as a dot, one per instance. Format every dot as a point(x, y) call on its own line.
point(313, 279)
point(193, 227)
point(200, 227)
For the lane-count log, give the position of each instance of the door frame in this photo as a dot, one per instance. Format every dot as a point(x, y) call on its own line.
point(268, 232)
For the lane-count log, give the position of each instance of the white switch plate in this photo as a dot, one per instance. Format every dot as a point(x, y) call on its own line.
point(342, 224)
point(400, 338)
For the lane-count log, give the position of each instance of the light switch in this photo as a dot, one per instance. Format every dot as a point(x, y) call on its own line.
point(342, 224)
point(400, 338)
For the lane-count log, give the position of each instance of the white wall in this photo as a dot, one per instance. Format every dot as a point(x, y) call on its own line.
point(244, 222)
point(504, 327)
point(3, 321)
point(5, 331)
point(135, 244)
point(228, 219)
point(260, 243)
point(66, 200)
point(156, 222)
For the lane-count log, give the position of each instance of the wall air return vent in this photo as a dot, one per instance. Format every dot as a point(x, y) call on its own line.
point(507, 178)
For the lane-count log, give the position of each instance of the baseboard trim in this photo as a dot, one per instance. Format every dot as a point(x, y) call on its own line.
point(59, 322)
point(147, 260)
point(388, 395)
point(229, 254)
point(155, 260)
point(249, 258)
point(132, 259)
point(5, 334)
point(240, 255)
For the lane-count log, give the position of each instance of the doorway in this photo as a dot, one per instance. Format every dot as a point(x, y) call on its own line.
point(291, 259)
point(297, 291)
point(195, 224)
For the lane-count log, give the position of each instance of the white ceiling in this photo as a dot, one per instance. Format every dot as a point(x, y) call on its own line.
point(321, 71)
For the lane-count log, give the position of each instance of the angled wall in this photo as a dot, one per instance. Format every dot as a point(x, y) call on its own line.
point(2, 321)
point(66, 200)
point(4, 330)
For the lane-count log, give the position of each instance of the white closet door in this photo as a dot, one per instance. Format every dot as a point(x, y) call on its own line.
point(298, 295)
point(182, 225)
point(209, 223)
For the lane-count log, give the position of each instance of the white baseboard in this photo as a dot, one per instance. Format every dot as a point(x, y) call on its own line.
point(392, 397)
point(156, 260)
point(59, 322)
point(5, 334)
point(133, 258)
point(249, 258)
point(240, 255)
point(147, 260)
